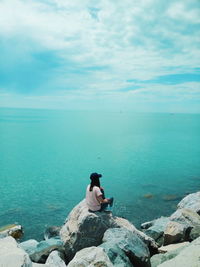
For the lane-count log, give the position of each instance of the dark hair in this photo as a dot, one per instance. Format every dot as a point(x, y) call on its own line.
point(94, 182)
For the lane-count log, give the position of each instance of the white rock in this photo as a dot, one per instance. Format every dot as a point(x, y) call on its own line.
point(191, 201)
point(90, 257)
point(188, 257)
point(172, 247)
point(11, 255)
point(54, 259)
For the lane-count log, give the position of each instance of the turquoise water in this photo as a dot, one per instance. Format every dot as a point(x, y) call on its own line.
point(46, 158)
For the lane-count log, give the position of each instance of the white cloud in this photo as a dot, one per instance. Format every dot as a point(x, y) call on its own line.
point(139, 39)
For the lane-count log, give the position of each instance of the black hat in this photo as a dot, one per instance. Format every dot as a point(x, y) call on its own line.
point(95, 175)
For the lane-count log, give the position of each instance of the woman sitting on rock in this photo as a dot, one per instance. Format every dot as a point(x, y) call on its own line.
point(95, 197)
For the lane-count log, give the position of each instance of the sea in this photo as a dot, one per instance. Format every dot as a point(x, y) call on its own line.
point(148, 162)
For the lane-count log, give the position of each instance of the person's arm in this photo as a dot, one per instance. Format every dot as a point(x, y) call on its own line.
point(101, 200)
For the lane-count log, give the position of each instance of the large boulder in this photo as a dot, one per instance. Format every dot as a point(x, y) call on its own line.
point(191, 201)
point(149, 241)
point(89, 257)
point(11, 255)
point(128, 242)
point(85, 229)
point(44, 248)
point(13, 230)
point(188, 257)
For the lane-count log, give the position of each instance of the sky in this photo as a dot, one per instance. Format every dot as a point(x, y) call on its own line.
point(137, 55)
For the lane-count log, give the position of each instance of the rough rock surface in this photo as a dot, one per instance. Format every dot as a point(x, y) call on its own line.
point(13, 230)
point(84, 229)
point(174, 232)
point(157, 229)
point(29, 246)
point(162, 257)
point(55, 259)
point(186, 216)
point(133, 247)
point(172, 247)
point(91, 257)
point(191, 201)
point(149, 241)
point(116, 255)
point(188, 257)
point(11, 255)
point(44, 248)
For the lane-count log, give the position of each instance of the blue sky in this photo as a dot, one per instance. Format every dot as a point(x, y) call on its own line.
point(140, 55)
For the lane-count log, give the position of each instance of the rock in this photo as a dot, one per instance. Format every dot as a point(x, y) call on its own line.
point(146, 225)
point(194, 233)
point(150, 242)
point(172, 247)
point(91, 257)
point(29, 246)
point(133, 247)
point(13, 230)
point(171, 197)
point(162, 257)
point(148, 196)
point(11, 255)
point(174, 232)
point(157, 229)
point(186, 216)
point(84, 229)
point(188, 256)
point(44, 248)
point(55, 259)
point(116, 255)
point(192, 201)
point(52, 231)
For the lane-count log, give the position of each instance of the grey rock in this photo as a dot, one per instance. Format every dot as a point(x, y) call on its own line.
point(116, 255)
point(91, 257)
point(133, 247)
point(44, 248)
point(174, 232)
point(188, 257)
point(11, 255)
point(29, 246)
point(13, 230)
point(157, 229)
point(52, 231)
point(55, 259)
point(195, 232)
point(192, 201)
point(84, 229)
point(186, 216)
point(150, 242)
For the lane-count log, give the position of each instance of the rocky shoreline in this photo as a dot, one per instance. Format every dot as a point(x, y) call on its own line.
point(101, 239)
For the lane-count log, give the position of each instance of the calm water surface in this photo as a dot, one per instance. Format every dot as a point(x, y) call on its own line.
point(46, 158)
